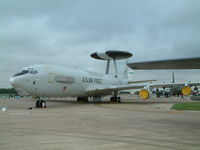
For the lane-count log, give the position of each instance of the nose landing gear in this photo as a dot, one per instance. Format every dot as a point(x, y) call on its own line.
point(40, 104)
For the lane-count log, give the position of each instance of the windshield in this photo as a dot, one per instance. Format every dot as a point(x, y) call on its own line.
point(26, 71)
point(21, 73)
point(33, 71)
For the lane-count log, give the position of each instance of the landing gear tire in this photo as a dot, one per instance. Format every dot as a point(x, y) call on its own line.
point(37, 104)
point(41, 104)
point(82, 99)
point(115, 100)
point(112, 99)
point(118, 99)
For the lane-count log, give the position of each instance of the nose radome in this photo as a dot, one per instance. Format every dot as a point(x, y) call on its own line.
point(12, 81)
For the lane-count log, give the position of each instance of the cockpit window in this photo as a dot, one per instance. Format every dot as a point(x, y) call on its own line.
point(33, 71)
point(21, 73)
point(29, 70)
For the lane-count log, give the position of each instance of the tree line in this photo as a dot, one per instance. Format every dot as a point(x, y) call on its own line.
point(8, 91)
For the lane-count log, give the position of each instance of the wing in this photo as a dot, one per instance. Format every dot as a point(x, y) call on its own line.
point(174, 84)
point(141, 81)
point(106, 90)
point(185, 63)
point(168, 85)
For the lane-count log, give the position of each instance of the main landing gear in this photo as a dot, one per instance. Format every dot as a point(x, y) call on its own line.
point(115, 99)
point(40, 104)
point(82, 99)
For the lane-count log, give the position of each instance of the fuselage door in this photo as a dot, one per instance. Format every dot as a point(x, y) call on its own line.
point(51, 77)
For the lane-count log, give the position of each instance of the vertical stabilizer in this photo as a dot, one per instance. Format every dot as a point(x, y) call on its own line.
point(173, 81)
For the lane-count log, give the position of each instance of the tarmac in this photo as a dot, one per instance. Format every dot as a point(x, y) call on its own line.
point(67, 125)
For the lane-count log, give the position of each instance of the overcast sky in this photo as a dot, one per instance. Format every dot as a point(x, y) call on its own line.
point(66, 32)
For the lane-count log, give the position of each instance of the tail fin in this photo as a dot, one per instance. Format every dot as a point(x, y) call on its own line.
point(173, 80)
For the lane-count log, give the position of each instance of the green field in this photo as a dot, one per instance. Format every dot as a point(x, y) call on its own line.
point(187, 106)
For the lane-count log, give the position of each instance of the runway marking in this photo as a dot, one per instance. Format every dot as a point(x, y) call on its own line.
point(20, 113)
point(175, 112)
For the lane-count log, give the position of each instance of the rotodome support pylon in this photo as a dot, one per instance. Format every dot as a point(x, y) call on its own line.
point(111, 55)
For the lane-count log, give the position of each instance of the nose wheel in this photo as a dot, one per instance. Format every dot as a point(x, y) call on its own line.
point(40, 104)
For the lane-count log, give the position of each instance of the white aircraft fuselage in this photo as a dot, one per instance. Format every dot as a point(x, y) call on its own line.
point(56, 81)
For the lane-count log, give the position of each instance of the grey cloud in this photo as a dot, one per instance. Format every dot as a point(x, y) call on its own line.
point(67, 32)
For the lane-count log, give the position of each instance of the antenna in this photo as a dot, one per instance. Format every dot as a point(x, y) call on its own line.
point(111, 55)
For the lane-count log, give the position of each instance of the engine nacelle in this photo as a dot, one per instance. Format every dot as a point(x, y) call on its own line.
point(186, 90)
point(144, 94)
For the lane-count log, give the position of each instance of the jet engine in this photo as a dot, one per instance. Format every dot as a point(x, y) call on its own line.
point(186, 90)
point(144, 94)
point(181, 90)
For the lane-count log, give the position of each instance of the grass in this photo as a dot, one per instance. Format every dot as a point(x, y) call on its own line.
point(187, 106)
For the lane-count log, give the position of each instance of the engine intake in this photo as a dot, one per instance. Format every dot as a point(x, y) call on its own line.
point(186, 90)
point(144, 94)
